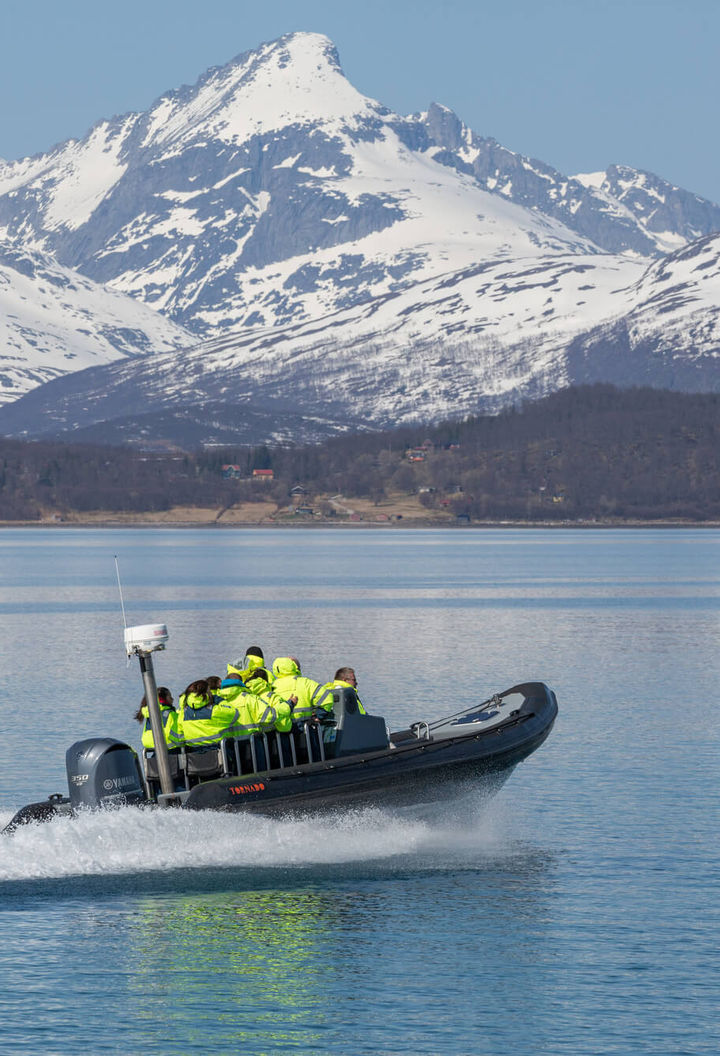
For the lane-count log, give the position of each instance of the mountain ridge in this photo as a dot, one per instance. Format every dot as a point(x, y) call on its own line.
point(666, 325)
point(303, 232)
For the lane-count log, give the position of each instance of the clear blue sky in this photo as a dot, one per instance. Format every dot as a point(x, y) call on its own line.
point(579, 84)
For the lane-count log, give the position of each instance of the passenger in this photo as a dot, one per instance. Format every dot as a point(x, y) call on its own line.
point(345, 678)
point(259, 708)
point(169, 717)
point(204, 718)
point(253, 659)
point(214, 682)
point(257, 681)
point(290, 682)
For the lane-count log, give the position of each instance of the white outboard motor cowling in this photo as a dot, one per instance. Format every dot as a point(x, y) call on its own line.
point(103, 772)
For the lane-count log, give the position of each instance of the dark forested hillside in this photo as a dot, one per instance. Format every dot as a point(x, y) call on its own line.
point(585, 453)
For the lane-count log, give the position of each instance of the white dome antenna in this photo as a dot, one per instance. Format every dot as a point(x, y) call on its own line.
point(146, 638)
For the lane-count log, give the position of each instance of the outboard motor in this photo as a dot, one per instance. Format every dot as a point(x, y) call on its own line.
point(103, 772)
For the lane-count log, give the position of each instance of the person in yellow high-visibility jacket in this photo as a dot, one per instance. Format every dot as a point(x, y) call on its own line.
point(289, 682)
point(259, 707)
point(344, 679)
point(204, 719)
point(169, 717)
point(253, 660)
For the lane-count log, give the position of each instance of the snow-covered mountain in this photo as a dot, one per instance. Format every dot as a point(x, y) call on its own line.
point(334, 260)
point(668, 215)
point(352, 369)
point(270, 191)
point(620, 210)
point(670, 337)
point(54, 321)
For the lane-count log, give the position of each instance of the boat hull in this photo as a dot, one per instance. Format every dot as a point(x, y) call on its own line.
point(423, 771)
point(475, 752)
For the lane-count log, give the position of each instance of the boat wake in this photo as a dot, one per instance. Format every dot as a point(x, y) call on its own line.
point(132, 841)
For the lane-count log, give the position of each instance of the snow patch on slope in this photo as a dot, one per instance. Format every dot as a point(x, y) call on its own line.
point(53, 321)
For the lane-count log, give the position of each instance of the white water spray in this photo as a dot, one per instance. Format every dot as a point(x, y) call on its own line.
point(137, 841)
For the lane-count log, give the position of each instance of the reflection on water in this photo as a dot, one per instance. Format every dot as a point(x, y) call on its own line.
point(268, 947)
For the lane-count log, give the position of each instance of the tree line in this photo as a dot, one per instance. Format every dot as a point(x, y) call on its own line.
point(582, 453)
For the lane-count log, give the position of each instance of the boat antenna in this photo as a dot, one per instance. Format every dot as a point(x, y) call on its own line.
point(122, 603)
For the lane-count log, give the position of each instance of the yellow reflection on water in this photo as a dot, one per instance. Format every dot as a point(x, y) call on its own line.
point(254, 961)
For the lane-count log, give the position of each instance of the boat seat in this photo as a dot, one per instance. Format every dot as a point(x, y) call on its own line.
point(248, 753)
point(204, 763)
point(354, 732)
point(151, 765)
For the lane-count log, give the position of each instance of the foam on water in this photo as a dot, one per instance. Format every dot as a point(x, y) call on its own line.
point(137, 841)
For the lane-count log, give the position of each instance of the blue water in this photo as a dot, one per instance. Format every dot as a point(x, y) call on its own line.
point(576, 913)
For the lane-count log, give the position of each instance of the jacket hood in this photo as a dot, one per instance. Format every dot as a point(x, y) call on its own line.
point(257, 685)
point(285, 665)
point(145, 711)
point(246, 665)
point(194, 700)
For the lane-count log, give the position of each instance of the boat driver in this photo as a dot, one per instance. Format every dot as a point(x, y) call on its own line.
point(345, 678)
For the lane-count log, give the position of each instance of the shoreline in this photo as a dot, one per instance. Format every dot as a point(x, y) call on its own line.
point(409, 524)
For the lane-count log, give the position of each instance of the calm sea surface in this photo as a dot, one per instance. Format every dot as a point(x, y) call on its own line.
point(576, 913)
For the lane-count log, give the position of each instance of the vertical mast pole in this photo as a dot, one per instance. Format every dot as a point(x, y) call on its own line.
point(143, 642)
point(156, 724)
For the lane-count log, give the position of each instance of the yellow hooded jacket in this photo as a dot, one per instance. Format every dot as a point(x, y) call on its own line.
point(289, 682)
point(246, 667)
point(258, 707)
point(204, 722)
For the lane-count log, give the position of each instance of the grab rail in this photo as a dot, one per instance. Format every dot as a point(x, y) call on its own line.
point(243, 756)
point(269, 750)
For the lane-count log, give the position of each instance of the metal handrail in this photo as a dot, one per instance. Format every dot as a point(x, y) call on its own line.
point(495, 701)
point(230, 751)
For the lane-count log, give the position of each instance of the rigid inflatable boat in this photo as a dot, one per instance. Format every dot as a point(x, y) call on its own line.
point(347, 759)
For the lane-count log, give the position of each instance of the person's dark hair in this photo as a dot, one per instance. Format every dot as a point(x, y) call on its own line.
point(259, 672)
point(344, 673)
point(200, 688)
point(164, 697)
point(214, 682)
point(255, 650)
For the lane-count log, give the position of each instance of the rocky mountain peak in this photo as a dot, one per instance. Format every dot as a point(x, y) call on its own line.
point(272, 194)
point(444, 127)
point(295, 80)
